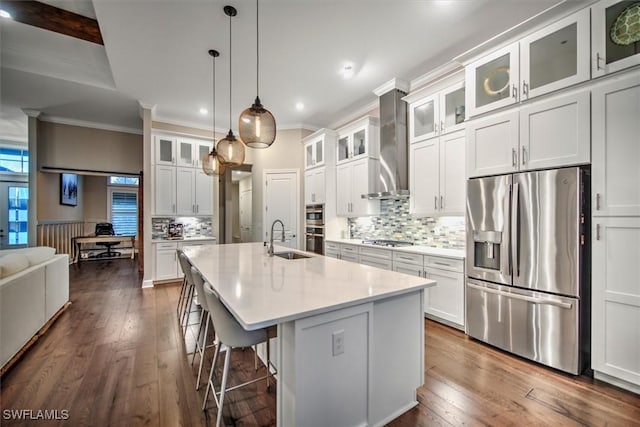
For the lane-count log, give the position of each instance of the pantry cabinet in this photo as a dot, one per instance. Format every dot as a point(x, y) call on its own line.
point(616, 147)
point(555, 57)
point(182, 191)
point(615, 46)
point(554, 132)
point(437, 175)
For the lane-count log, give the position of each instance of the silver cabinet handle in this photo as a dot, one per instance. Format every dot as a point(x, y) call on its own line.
point(525, 89)
point(597, 201)
point(514, 155)
point(435, 202)
point(197, 208)
point(442, 126)
point(441, 202)
point(533, 300)
point(193, 208)
point(173, 207)
point(598, 60)
point(597, 231)
point(514, 92)
point(524, 154)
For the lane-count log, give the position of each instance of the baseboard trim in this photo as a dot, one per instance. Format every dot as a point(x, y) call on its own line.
point(616, 382)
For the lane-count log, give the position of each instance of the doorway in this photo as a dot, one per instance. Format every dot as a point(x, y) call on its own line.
point(281, 201)
point(14, 201)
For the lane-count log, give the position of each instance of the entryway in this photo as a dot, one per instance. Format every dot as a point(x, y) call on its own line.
point(282, 201)
point(14, 200)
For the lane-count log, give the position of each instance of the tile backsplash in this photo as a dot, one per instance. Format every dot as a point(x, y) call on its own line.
point(193, 227)
point(396, 223)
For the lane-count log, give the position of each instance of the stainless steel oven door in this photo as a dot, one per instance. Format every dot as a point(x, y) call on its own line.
point(488, 229)
point(314, 240)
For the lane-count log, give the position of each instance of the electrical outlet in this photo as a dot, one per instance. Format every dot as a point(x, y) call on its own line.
point(338, 342)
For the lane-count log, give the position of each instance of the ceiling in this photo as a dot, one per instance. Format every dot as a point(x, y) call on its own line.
point(155, 53)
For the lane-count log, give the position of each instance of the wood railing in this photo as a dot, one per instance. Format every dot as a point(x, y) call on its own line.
point(58, 235)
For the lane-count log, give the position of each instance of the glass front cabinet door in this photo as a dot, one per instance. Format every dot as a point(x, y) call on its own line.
point(424, 118)
point(165, 148)
point(452, 108)
point(314, 153)
point(492, 81)
point(555, 57)
point(615, 36)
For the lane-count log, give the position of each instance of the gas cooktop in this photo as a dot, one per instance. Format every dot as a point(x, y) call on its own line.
point(388, 243)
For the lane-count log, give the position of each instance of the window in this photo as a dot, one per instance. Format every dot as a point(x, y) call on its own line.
point(123, 180)
point(14, 160)
point(124, 211)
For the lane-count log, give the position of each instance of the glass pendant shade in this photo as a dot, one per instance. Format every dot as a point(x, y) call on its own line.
point(212, 164)
point(231, 150)
point(257, 126)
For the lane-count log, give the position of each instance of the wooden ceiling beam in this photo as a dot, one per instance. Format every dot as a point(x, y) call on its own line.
point(51, 18)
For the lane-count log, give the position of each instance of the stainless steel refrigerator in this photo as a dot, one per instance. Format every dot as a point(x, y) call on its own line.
point(527, 288)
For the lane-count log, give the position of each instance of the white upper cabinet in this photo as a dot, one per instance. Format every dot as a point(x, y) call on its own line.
point(165, 190)
point(165, 150)
point(453, 188)
point(423, 177)
point(203, 193)
point(616, 147)
point(554, 132)
point(437, 113)
point(185, 195)
point(201, 148)
point(358, 140)
point(314, 186)
point(492, 81)
point(314, 153)
point(555, 57)
point(353, 180)
point(615, 36)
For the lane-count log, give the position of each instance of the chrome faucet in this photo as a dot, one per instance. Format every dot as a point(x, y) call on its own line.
point(270, 251)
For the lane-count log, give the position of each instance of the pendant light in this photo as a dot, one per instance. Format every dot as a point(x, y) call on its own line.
point(212, 163)
point(230, 148)
point(257, 126)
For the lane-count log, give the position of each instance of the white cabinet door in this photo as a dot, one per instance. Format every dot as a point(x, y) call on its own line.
point(492, 81)
point(362, 175)
point(556, 132)
point(201, 149)
point(423, 177)
point(446, 299)
point(319, 185)
point(608, 55)
point(343, 190)
point(424, 118)
point(406, 268)
point(615, 323)
point(616, 147)
point(453, 195)
point(165, 190)
point(165, 150)
point(185, 194)
point(452, 108)
point(203, 193)
point(166, 264)
point(308, 187)
point(492, 145)
point(556, 56)
point(186, 157)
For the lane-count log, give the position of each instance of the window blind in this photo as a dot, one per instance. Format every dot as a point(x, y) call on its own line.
point(124, 212)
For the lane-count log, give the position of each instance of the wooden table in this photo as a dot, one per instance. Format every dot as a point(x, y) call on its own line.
point(79, 241)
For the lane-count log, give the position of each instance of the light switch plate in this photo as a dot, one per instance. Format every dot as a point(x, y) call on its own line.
point(338, 342)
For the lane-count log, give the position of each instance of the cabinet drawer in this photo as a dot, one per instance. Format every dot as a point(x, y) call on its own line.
point(349, 257)
point(408, 268)
point(384, 254)
point(404, 257)
point(331, 246)
point(167, 246)
point(349, 249)
point(444, 263)
point(373, 261)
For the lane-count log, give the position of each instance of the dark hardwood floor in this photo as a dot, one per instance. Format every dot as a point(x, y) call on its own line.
point(117, 357)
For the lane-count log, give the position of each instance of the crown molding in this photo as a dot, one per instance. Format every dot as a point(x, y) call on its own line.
point(86, 124)
point(354, 115)
point(31, 113)
point(392, 84)
point(435, 75)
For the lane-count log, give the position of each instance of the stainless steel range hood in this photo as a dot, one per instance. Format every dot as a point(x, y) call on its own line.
point(393, 180)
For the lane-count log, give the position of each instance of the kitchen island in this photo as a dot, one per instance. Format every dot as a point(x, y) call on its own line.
point(350, 346)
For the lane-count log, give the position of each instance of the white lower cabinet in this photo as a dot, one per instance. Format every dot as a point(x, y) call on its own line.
point(615, 323)
point(375, 257)
point(332, 249)
point(349, 253)
point(166, 261)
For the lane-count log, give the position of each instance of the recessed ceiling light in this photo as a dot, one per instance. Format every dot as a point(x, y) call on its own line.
point(299, 106)
point(203, 111)
point(347, 71)
point(4, 14)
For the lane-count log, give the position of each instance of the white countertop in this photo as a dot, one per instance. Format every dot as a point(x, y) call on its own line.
point(415, 249)
point(186, 239)
point(262, 291)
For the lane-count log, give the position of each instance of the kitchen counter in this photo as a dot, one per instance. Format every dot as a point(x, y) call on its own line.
point(416, 249)
point(186, 239)
point(347, 331)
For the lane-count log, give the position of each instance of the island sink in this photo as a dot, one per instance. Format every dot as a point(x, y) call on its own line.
point(291, 255)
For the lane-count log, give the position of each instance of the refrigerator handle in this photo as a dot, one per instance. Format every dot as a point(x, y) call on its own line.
point(515, 227)
point(566, 305)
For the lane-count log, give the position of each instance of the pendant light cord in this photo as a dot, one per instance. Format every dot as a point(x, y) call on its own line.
point(230, 75)
point(214, 102)
point(257, 51)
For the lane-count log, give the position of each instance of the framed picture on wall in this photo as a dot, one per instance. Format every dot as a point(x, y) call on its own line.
point(69, 189)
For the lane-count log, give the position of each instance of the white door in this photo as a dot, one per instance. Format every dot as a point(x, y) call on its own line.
point(281, 202)
point(165, 190)
point(492, 145)
point(246, 215)
point(14, 201)
point(185, 195)
point(343, 190)
point(204, 193)
point(615, 307)
point(424, 177)
point(616, 148)
point(453, 194)
point(556, 132)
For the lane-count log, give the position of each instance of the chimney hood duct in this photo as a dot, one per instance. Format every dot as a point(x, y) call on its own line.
point(393, 180)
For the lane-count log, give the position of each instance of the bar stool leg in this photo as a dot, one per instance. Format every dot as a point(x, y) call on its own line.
point(211, 373)
point(198, 348)
point(204, 348)
point(225, 374)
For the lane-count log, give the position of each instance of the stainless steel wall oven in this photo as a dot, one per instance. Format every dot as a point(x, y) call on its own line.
point(314, 229)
